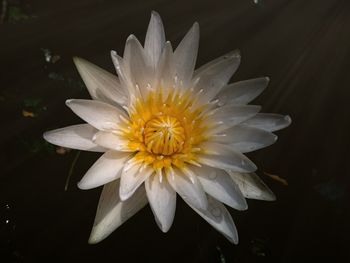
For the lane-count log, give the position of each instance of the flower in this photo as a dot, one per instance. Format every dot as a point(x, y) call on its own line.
point(166, 129)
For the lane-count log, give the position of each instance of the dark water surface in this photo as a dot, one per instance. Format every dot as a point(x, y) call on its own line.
point(303, 46)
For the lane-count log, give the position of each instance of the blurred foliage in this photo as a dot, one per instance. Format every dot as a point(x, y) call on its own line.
point(331, 190)
point(32, 107)
point(259, 247)
point(221, 255)
point(49, 56)
point(14, 11)
point(37, 145)
point(16, 14)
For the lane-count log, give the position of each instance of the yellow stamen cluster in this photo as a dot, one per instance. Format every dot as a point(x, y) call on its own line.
point(165, 133)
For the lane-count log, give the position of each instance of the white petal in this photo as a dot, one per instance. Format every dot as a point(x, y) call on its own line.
point(76, 137)
point(214, 77)
point(155, 39)
point(227, 116)
point(106, 169)
point(111, 141)
point(122, 72)
point(112, 212)
point(101, 84)
point(223, 157)
point(117, 61)
point(138, 72)
point(218, 184)
point(165, 72)
point(245, 139)
point(269, 121)
point(242, 92)
point(99, 114)
point(131, 178)
point(185, 55)
point(191, 192)
point(217, 215)
point(252, 186)
point(162, 199)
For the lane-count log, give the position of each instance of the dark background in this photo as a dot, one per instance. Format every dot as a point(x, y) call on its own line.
point(303, 46)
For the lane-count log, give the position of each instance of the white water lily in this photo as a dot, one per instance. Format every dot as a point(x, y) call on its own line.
point(167, 130)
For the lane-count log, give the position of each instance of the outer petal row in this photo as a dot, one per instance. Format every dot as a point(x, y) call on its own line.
point(98, 114)
point(213, 76)
point(217, 215)
point(185, 55)
point(76, 137)
point(252, 186)
point(223, 157)
point(162, 199)
point(106, 169)
point(101, 84)
point(155, 39)
point(242, 92)
point(228, 116)
point(112, 212)
point(191, 192)
point(218, 184)
point(132, 177)
point(244, 138)
point(269, 121)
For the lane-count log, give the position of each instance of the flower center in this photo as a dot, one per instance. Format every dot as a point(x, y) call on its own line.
point(164, 135)
point(165, 131)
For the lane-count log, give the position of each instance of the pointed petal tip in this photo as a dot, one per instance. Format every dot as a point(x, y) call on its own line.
point(82, 186)
point(155, 14)
point(69, 102)
point(267, 79)
point(131, 37)
point(236, 53)
point(76, 59)
point(288, 119)
point(270, 196)
point(94, 239)
point(245, 208)
point(232, 235)
point(271, 140)
point(163, 228)
point(46, 136)
point(195, 28)
point(242, 207)
point(234, 240)
point(252, 167)
point(123, 195)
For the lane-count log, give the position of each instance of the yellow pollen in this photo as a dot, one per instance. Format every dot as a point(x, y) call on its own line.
point(164, 135)
point(165, 131)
